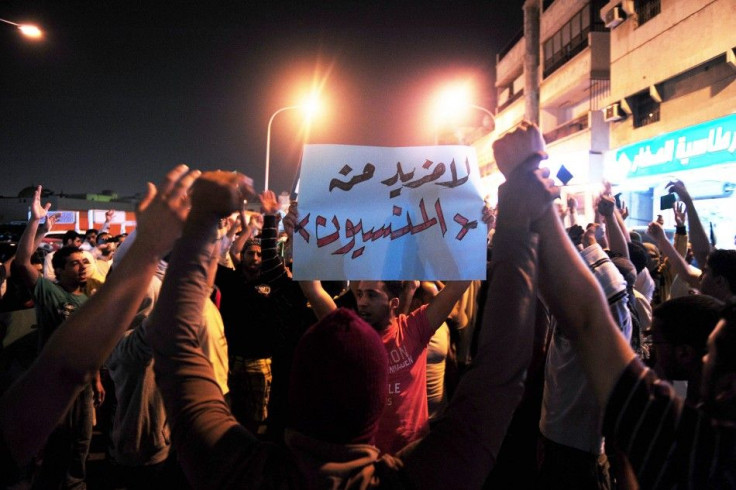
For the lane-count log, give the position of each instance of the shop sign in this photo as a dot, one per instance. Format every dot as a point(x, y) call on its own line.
point(698, 146)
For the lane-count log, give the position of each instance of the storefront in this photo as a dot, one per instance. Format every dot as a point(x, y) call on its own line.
point(702, 156)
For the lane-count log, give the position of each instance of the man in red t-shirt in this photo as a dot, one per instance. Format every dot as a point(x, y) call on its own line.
point(405, 337)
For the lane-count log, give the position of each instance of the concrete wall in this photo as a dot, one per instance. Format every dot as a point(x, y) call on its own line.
point(684, 34)
point(505, 94)
point(511, 65)
point(509, 117)
point(686, 63)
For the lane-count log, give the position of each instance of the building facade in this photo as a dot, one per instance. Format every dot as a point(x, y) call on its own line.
point(621, 85)
point(572, 85)
point(671, 107)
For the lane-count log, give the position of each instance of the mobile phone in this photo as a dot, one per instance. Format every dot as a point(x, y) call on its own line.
point(617, 197)
point(667, 201)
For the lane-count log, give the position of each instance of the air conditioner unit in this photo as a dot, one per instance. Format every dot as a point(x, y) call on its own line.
point(614, 17)
point(613, 112)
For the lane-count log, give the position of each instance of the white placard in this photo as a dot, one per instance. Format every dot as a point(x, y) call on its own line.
point(390, 214)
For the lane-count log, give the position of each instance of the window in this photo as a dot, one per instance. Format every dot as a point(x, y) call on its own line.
point(566, 34)
point(585, 17)
point(576, 25)
point(647, 9)
point(572, 37)
point(645, 109)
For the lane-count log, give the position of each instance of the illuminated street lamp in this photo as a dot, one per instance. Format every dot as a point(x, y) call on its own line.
point(454, 98)
point(310, 107)
point(27, 30)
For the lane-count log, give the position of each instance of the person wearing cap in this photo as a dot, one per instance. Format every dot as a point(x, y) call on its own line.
point(339, 384)
point(260, 306)
point(405, 338)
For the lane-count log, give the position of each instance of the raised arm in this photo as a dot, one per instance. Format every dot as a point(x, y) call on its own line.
point(27, 243)
point(698, 236)
point(440, 306)
point(581, 307)
point(679, 210)
point(44, 228)
point(32, 407)
point(109, 214)
point(208, 440)
point(572, 210)
point(247, 231)
point(676, 261)
point(272, 266)
point(617, 241)
point(322, 303)
point(467, 439)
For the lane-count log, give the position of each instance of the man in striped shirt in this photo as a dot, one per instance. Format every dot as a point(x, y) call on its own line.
point(669, 444)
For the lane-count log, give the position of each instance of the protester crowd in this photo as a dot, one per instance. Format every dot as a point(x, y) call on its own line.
point(589, 357)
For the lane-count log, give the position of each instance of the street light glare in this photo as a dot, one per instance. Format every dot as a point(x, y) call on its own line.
point(452, 100)
point(30, 31)
point(311, 106)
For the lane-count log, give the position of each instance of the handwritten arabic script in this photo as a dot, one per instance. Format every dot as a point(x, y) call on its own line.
point(403, 177)
point(369, 213)
point(356, 230)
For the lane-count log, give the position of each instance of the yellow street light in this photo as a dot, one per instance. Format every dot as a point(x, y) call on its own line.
point(310, 106)
point(453, 100)
point(27, 30)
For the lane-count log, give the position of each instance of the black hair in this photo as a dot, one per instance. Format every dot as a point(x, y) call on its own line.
point(723, 263)
point(393, 288)
point(70, 235)
point(689, 320)
point(726, 340)
point(60, 256)
point(638, 256)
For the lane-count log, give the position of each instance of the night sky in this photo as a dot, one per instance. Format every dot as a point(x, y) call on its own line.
point(120, 91)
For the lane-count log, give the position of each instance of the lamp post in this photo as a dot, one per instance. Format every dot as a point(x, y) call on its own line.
point(488, 112)
point(310, 107)
point(27, 30)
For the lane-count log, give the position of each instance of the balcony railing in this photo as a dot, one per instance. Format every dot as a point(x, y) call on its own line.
point(571, 127)
point(511, 100)
point(572, 37)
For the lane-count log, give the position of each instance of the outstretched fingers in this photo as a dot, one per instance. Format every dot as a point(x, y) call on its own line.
point(180, 192)
point(151, 192)
point(38, 211)
point(173, 177)
point(162, 211)
point(269, 202)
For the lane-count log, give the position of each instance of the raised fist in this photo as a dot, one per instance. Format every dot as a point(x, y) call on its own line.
point(517, 147)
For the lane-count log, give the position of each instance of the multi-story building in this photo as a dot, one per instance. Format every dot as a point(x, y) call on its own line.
point(573, 84)
point(671, 106)
point(636, 92)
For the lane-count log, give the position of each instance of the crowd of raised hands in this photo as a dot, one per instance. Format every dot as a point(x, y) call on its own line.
point(534, 256)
